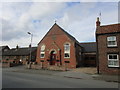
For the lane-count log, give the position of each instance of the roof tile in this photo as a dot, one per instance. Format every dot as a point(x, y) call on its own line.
point(108, 29)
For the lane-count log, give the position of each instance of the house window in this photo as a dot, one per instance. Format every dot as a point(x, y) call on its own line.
point(113, 60)
point(42, 51)
point(67, 50)
point(7, 59)
point(112, 41)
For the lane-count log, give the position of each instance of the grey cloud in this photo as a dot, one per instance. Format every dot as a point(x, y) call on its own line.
point(9, 31)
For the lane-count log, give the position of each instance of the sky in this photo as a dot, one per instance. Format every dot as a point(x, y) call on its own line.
point(77, 18)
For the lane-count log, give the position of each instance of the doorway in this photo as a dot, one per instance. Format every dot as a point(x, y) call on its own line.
point(52, 57)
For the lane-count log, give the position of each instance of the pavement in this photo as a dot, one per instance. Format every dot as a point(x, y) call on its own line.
point(80, 75)
point(76, 75)
point(108, 78)
point(69, 74)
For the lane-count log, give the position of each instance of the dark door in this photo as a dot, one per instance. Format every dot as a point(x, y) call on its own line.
point(53, 58)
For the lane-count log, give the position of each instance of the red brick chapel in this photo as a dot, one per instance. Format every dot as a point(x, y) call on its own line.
point(59, 48)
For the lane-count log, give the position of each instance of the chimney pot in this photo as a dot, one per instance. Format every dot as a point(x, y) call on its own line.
point(97, 22)
point(17, 47)
point(30, 46)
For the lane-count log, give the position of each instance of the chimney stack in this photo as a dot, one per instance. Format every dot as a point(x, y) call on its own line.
point(17, 47)
point(30, 46)
point(97, 22)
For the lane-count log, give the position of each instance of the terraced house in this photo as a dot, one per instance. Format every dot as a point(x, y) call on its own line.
point(108, 48)
point(2, 50)
point(19, 55)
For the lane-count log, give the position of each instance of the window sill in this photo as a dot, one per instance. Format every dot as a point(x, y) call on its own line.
point(67, 57)
point(112, 46)
point(42, 57)
point(113, 67)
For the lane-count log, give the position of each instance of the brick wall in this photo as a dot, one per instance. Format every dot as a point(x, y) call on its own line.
point(103, 51)
point(5, 65)
point(60, 38)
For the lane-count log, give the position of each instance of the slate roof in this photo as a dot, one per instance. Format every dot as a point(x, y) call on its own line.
point(3, 47)
point(89, 47)
point(113, 28)
point(19, 51)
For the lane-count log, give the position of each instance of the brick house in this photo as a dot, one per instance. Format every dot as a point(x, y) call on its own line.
point(59, 48)
point(19, 55)
point(3, 49)
point(108, 48)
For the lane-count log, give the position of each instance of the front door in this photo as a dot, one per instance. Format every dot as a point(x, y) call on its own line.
point(53, 58)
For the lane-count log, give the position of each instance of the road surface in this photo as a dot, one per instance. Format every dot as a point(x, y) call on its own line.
point(16, 79)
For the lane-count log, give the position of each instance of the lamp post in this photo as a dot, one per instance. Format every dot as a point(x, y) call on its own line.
point(30, 49)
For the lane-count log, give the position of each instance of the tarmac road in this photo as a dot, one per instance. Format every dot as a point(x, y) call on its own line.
point(16, 79)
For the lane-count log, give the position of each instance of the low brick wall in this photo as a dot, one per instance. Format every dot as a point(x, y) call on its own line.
point(9, 65)
point(5, 65)
point(54, 67)
point(36, 66)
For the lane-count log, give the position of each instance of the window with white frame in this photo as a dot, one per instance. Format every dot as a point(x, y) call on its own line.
point(67, 50)
point(113, 60)
point(112, 41)
point(42, 51)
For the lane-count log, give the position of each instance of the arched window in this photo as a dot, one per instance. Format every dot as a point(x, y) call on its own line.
point(67, 50)
point(42, 51)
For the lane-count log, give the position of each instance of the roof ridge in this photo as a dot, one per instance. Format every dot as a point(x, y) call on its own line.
point(110, 25)
point(24, 47)
point(4, 46)
point(46, 33)
point(69, 35)
point(107, 29)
